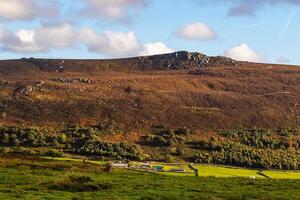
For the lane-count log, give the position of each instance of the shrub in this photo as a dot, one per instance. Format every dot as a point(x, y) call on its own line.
point(5, 139)
point(4, 150)
point(16, 142)
point(115, 150)
point(55, 142)
point(75, 183)
point(169, 159)
point(128, 89)
point(54, 153)
point(23, 151)
point(180, 151)
point(13, 136)
point(242, 155)
point(165, 137)
point(62, 138)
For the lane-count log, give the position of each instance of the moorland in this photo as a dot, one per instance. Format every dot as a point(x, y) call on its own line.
point(173, 108)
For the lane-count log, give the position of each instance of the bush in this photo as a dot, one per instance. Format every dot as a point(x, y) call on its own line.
point(62, 138)
point(16, 142)
point(244, 156)
point(180, 151)
point(75, 183)
point(5, 139)
point(166, 137)
point(169, 159)
point(23, 151)
point(4, 150)
point(54, 153)
point(128, 89)
point(115, 150)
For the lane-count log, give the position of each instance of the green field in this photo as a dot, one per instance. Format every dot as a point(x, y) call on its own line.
point(231, 172)
point(63, 178)
point(120, 184)
point(216, 171)
point(282, 175)
point(208, 170)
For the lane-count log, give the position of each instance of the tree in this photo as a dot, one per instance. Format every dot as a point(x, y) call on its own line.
point(16, 142)
point(5, 138)
point(169, 158)
point(13, 136)
point(62, 138)
point(180, 151)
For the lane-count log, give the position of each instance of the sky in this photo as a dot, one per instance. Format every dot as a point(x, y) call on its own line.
point(250, 30)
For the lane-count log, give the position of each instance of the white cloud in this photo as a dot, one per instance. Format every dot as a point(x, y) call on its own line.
point(155, 48)
point(17, 9)
point(197, 31)
point(111, 43)
point(119, 44)
point(243, 52)
point(19, 41)
point(57, 36)
point(41, 39)
point(64, 35)
point(117, 10)
point(25, 42)
point(27, 9)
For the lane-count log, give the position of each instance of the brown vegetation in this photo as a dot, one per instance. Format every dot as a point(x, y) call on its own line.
point(126, 95)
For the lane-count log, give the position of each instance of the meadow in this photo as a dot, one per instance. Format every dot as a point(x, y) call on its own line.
point(206, 170)
point(37, 178)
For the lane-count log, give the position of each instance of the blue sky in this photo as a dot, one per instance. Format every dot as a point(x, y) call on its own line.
point(254, 30)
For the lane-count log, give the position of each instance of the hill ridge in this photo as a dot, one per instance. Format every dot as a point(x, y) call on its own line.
point(179, 60)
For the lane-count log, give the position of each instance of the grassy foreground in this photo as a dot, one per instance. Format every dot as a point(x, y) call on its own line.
point(28, 179)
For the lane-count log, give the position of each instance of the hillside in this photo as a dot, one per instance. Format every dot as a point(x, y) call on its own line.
point(181, 106)
point(178, 60)
point(177, 90)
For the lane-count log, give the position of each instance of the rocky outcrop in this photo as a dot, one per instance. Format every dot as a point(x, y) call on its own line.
point(23, 90)
point(185, 60)
point(73, 80)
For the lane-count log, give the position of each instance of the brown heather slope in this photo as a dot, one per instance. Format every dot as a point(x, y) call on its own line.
point(176, 90)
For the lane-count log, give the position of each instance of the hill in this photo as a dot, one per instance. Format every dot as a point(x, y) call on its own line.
point(178, 60)
point(181, 106)
point(179, 89)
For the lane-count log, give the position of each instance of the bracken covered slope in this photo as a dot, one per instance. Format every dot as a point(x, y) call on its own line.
point(177, 90)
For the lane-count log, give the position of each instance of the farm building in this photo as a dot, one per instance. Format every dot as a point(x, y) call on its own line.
point(119, 165)
point(158, 168)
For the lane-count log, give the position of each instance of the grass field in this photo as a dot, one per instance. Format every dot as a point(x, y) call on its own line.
point(282, 175)
point(120, 184)
point(206, 171)
point(36, 178)
point(209, 170)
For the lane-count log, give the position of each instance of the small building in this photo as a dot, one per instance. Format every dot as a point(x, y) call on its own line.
point(120, 165)
point(146, 166)
point(158, 168)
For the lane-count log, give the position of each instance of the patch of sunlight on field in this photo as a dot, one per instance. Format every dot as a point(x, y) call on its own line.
point(47, 97)
point(77, 160)
point(282, 174)
point(217, 171)
point(177, 174)
point(170, 167)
